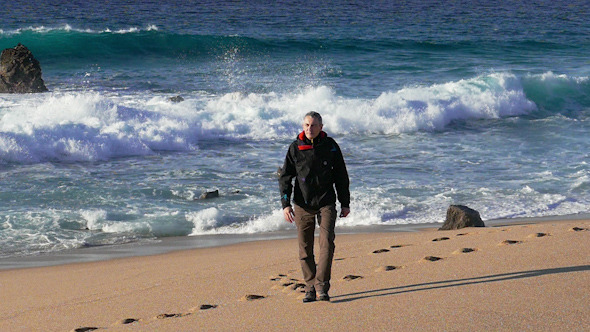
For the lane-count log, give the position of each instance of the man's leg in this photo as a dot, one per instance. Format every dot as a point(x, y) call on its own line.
point(327, 236)
point(305, 222)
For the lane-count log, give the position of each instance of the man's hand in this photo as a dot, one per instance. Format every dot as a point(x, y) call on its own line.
point(345, 211)
point(289, 215)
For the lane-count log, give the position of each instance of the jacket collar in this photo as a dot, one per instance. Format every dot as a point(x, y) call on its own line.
point(303, 143)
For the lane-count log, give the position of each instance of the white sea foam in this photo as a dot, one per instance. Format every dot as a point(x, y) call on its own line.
point(127, 227)
point(204, 220)
point(208, 221)
point(407, 110)
point(85, 126)
point(94, 126)
point(93, 217)
point(551, 76)
point(68, 28)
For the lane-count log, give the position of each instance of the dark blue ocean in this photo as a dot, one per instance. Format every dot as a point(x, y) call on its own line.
point(481, 103)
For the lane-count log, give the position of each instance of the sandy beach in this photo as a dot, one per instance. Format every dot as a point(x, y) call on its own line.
point(533, 277)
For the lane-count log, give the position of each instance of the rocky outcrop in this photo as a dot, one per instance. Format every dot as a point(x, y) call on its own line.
point(176, 99)
point(20, 72)
point(210, 194)
point(460, 216)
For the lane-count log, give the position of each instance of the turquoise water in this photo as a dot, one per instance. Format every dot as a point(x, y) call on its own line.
point(478, 103)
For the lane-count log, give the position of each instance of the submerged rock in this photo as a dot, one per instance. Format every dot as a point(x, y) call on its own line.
point(210, 194)
point(20, 72)
point(176, 99)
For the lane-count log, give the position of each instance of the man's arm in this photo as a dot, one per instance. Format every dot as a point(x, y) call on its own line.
point(341, 182)
point(286, 176)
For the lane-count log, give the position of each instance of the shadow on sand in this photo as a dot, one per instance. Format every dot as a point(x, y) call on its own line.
point(455, 283)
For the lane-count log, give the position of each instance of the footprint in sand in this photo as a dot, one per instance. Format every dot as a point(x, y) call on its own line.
point(299, 286)
point(294, 286)
point(85, 329)
point(539, 235)
point(396, 246)
point(462, 234)
point(505, 242)
point(281, 276)
point(465, 250)
point(289, 284)
point(579, 229)
point(128, 321)
point(379, 251)
point(385, 268)
point(164, 316)
point(440, 239)
point(203, 307)
point(351, 277)
point(432, 258)
point(252, 297)
point(207, 306)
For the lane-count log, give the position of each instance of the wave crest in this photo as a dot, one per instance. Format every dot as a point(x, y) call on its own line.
point(88, 126)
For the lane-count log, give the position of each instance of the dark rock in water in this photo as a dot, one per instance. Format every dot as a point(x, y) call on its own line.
point(176, 99)
point(210, 194)
point(460, 216)
point(20, 72)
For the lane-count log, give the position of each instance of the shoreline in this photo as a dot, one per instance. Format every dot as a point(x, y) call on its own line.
point(180, 243)
point(516, 276)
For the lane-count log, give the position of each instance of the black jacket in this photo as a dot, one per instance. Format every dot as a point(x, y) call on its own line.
point(318, 167)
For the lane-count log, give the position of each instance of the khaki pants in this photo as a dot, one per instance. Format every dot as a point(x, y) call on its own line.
point(305, 220)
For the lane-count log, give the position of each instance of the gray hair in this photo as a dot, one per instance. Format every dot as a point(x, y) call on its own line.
point(314, 115)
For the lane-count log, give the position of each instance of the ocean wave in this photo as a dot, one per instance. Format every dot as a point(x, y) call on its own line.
point(89, 126)
point(211, 221)
point(551, 92)
point(64, 43)
point(366, 43)
point(68, 28)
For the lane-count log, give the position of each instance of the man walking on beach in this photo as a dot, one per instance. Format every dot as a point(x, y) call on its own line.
point(317, 164)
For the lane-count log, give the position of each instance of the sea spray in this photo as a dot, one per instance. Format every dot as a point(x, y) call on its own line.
point(94, 126)
point(208, 221)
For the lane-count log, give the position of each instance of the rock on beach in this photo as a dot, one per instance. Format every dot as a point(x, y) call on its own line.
point(460, 216)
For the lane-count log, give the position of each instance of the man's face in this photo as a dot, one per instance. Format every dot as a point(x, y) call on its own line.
point(312, 127)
